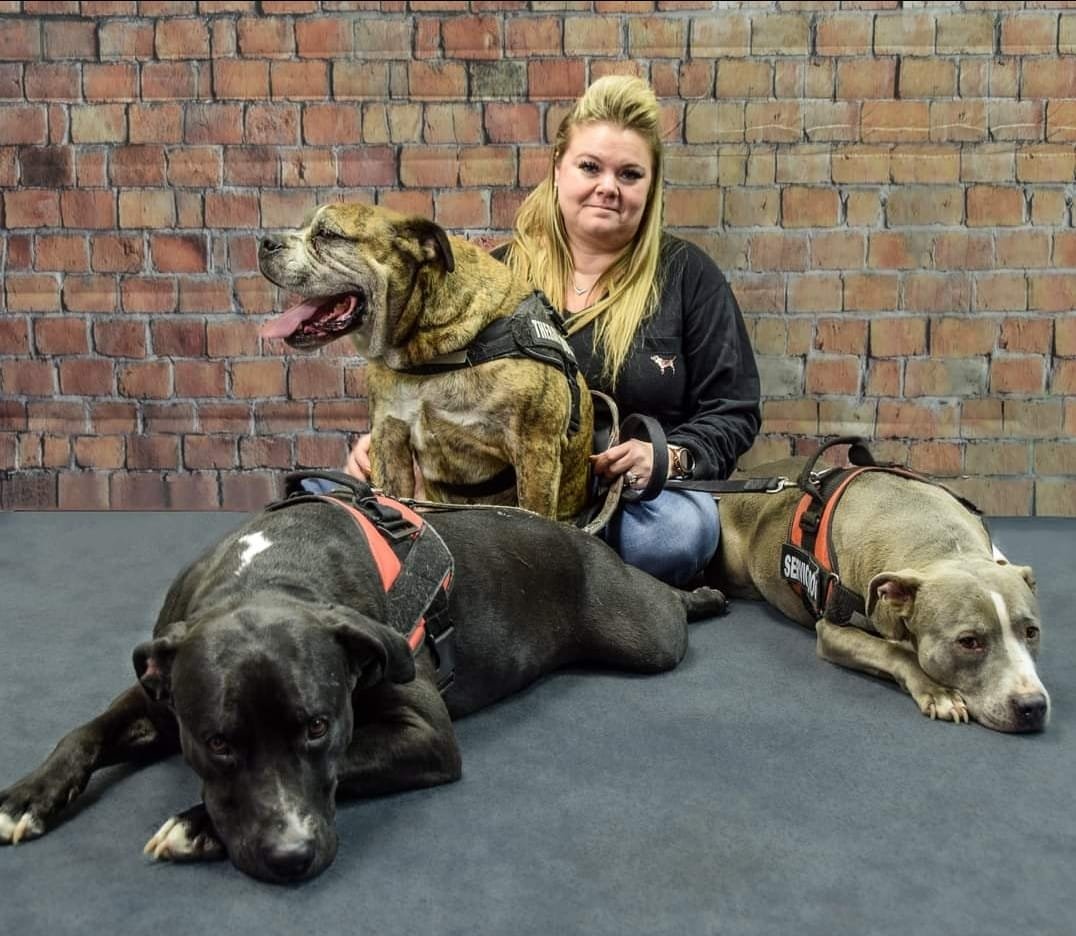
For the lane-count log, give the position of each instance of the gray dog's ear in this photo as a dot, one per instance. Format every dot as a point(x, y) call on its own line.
point(426, 242)
point(153, 667)
point(891, 600)
point(1028, 576)
point(376, 652)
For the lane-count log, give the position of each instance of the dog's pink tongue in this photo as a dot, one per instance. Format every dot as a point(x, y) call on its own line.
point(286, 323)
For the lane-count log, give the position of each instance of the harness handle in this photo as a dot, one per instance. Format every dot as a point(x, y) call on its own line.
point(293, 482)
point(858, 454)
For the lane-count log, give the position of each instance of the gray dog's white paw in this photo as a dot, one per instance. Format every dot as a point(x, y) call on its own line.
point(945, 705)
point(180, 839)
point(22, 829)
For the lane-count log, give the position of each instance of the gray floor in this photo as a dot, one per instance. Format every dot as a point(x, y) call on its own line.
point(755, 790)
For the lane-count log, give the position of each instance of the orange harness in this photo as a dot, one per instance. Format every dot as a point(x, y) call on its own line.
point(413, 563)
point(808, 559)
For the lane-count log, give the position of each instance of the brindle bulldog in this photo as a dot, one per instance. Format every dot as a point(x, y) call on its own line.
point(414, 301)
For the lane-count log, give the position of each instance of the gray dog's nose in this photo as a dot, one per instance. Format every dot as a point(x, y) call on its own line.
point(270, 244)
point(290, 861)
point(1030, 709)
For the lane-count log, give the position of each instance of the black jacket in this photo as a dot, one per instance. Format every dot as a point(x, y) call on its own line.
point(691, 366)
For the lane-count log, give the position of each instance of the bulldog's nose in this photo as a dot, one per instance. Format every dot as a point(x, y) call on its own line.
point(270, 244)
point(1030, 709)
point(291, 860)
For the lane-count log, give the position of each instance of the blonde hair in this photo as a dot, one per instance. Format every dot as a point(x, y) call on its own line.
point(539, 248)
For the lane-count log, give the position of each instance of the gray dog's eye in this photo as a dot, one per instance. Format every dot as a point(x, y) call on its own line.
point(1032, 632)
point(317, 728)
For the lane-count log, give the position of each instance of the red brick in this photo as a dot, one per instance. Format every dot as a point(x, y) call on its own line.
point(1050, 78)
point(178, 253)
point(62, 335)
point(120, 338)
point(146, 208)
point(200, 295)
point(20, 39)
point(472, 37)
point(555, 79)
point(898, 337)
point(804, 206)
point(182, 38)
point(37, 293)
point(85, 377)
point(152, 451)
point(995, 206)
point(100, 451)
point(324, 37)
point(895, 121)
point(62, 252)
point(200, 379)
point(32, 208)
point(1018, 374)
point(113, 82)
point(148, 294)
point(146, 380)
point(1004, 292)
point(89, 294)
point(70, 39)
point(829, 375)
point(23, 124)
point(88, 208)
point(258, 379)
point(82, 490)
point(870, 291)
point(134, 166)
point(1052, 292)
point(863, 78)
point(230, 210)
point(214, 123)
point(125, 39)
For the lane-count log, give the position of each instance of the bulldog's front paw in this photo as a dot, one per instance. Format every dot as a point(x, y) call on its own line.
point(937, 702)
point(190, 836)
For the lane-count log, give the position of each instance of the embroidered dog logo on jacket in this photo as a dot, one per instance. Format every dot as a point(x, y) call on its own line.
point(664, 363)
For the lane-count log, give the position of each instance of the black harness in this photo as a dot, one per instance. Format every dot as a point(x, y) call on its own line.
point(412, 560)
point(534, 330)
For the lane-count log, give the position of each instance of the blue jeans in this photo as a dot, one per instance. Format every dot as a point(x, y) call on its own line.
point(672, 537)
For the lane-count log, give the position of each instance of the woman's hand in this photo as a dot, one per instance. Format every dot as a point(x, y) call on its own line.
point(358, 464)
point(634, 459)
point(358, 459)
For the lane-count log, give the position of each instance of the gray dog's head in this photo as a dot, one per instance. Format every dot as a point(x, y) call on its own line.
point(263, 698)
point(974, 625)
point(355, 267)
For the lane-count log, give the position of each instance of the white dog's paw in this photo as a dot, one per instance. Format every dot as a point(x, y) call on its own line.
point(944, 705)
point(186, 837)
point(21, 828)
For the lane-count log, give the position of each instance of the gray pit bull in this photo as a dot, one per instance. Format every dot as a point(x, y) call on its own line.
point(957, 625)
point(272, 668)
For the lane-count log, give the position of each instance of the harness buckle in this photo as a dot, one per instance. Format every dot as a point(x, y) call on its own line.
point(387, 519)
point(779, 485)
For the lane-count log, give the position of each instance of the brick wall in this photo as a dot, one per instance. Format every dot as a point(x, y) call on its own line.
point(888, 186)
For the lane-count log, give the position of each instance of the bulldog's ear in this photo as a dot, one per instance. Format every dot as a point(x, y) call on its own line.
point(375, 651)
point(891, 601)
point(426, 242)
point(153, 667)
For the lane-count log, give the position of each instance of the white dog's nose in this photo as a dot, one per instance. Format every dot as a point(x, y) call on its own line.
point(269, 244)
point(1030, 709)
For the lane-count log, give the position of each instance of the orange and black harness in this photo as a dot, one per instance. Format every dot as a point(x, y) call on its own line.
point(413, 562)
point(808, 559)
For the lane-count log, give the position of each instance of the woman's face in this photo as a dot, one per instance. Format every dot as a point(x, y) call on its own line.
point(603, 179)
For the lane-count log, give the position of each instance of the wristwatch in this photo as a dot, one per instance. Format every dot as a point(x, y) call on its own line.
point(681, 462)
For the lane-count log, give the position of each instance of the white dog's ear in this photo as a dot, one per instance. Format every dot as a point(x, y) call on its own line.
point(891, 601)
point(426, 242)
point(1028, 576)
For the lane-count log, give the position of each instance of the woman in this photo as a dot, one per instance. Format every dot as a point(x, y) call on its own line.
point(651, 319)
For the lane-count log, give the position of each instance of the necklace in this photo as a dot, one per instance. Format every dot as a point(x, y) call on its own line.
point(582, 291)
